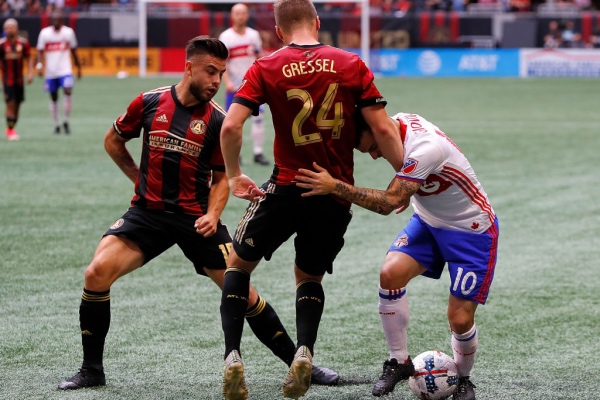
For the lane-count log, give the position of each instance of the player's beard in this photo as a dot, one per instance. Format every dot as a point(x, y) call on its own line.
point(198, 94)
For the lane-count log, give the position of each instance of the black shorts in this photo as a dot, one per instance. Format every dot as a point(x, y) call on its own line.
point(319, 222)
point(14, 92)
point(155, 231)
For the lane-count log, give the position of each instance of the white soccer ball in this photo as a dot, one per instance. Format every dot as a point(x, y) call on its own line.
point(436, 376)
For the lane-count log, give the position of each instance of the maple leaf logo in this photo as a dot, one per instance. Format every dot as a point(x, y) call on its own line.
point(475, 225)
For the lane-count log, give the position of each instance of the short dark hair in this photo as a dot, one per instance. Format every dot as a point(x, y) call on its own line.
point(201, 45)
point(360, 127)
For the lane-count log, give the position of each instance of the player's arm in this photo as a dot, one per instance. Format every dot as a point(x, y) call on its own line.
point(231, 145)
point(396, 196)
point(76, 62)
point(114, 144)
point(30, 69)
point(385, 134)
point(39, 66)
point(217, 199)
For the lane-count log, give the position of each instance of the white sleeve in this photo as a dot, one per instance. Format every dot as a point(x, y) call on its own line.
point(257, 42)
point(41, 42)
point(72, 39)
point(424, 159)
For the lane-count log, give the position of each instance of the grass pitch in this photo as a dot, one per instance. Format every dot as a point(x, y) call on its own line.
point(534, 144)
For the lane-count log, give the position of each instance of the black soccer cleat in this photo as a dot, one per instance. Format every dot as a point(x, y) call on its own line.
point(324, 376)
point(465, 389)
point(260, 159)
point(392, 374)
point(83, 379)
point(57, 130)
point(66, 127)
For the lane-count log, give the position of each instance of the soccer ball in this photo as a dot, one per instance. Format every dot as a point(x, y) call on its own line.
point(436, 376)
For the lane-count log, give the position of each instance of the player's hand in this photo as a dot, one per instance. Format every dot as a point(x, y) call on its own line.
point(319, 182)
point(29, 78)
point(206, 225)
point(79, 73)
point(244, 188)
point(403, 206)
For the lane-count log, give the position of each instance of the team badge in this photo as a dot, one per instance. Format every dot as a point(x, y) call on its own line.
point(401, 241)
point(198, 126)
point(409, 166)
point(118, 223)
point(308, 54)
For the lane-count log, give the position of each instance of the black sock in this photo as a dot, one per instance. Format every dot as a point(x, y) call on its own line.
point(94, 320)
point(310, 301)
point(267, 327)
point(11, 122)
point(234, 301)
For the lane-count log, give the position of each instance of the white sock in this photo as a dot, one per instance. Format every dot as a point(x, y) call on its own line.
point(393, 311)
point(464, 347)
point(67, 102)
point(258, 133)
point(54, 112)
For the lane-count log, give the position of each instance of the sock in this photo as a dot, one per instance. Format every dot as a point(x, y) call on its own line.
point(67, 103)
point(393, 311)
point(234, 301)
point(464, 347)
point(267, 327)
point(94, 320)
point(310, 302)
point(54, 111)
point(11, 122)
point(258, 133)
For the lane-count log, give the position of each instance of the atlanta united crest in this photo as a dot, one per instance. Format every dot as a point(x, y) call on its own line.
point(198, 126)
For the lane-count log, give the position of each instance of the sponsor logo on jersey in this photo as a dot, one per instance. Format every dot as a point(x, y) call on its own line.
point(401, 241)
point(409, 166)
point(198, 126)
point(162, 118)
point(434, 184)
point(117, 224)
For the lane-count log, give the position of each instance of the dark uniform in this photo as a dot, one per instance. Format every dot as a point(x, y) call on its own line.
point(12, 57)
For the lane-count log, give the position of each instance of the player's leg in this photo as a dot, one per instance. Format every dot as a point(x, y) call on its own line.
point(130, 242)
point(113, 258)
point(258, 138)
point(471, 274)
point(321, 224)
point(12, 106)
point(67, 85)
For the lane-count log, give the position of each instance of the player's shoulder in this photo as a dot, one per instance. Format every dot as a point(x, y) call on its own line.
point(156, 92)
point(23, 40)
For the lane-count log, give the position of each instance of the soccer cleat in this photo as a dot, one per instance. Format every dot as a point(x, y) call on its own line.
point(83, 379)
point(66, 127)
point(234, 384)
point(324, 376)
point(260, 159)
point(392, 374)
point(297, 381)
point(465, 390)
point(57, 130)
point(11, 134)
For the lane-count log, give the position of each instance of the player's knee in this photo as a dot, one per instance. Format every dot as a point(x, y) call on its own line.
point(98, 276)
point(460, 321)
point(391, 278)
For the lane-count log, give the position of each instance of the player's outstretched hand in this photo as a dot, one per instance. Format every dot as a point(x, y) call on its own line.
point(245, 188)
point(319, 182)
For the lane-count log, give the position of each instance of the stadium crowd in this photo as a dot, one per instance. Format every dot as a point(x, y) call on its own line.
point(399, 7)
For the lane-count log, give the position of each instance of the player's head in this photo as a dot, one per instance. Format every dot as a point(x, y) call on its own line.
point(239, 15)
point(204, 66)
point(291, 15)
point(365, 141)
point(11, 28)
point(56, 19)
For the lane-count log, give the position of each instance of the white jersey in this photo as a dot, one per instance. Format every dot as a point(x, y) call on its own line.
point(243, 51)
point(450, 196)
point(57, 47)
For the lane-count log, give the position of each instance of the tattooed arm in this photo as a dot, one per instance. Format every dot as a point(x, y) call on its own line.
point(396, 196)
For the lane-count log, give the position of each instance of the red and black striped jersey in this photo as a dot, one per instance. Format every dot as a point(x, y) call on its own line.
point(180, 150)
point(313, 92)
point(12, 57)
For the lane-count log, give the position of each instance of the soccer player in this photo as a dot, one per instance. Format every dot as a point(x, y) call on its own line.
point(245, 46)
point(56, 44)
point(313, 91)
point(14, 51)
point(180, 192)
point(453, 223)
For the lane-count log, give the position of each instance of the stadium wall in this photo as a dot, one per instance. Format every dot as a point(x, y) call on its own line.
point(427, 44)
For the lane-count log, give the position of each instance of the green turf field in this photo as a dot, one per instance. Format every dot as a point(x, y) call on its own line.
point(534, 144)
